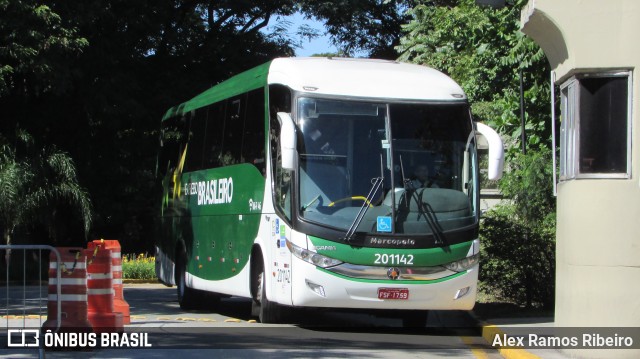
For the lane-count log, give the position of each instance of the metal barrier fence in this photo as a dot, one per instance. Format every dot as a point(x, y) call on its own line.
point(25, 308)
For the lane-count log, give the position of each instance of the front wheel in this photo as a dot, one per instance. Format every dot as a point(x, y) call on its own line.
point(261, 306)
point(187, 297)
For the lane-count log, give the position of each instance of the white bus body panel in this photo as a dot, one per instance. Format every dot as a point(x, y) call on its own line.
point(364, 78)
point(165, 268)
point(344, 293)
point(237, 285)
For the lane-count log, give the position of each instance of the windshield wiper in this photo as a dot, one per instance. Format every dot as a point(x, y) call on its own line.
point(430, 215)
point(376, 184)
point(424, 208)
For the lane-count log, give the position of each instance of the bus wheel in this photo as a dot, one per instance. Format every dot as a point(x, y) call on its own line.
point(414, 318)
point(267, 311)
point(187, 297)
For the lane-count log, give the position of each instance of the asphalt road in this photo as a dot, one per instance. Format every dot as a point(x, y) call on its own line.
point(228, 331)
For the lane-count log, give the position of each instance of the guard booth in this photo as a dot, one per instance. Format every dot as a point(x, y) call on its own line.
point(594, 52)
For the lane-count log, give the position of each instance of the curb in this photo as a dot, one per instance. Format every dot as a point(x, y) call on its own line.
point(489, 331)
point(140, 281)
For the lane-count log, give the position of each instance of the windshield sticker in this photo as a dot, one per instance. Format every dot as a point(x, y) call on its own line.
point(384, 224)
point(274, 228)
point(278, 233)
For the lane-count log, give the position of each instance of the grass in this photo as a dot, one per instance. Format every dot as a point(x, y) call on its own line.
point(139, 266)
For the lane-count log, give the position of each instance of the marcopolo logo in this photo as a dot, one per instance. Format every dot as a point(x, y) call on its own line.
point(21, 338)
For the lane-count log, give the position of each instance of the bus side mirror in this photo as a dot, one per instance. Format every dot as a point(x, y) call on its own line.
point(287, 141)
point(496, 150)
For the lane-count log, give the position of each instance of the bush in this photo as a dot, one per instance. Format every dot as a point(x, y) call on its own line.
point(518, 238)
point(138, 267)
point(518, 260)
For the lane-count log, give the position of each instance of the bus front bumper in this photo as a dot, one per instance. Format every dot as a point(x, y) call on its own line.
point(316, 287)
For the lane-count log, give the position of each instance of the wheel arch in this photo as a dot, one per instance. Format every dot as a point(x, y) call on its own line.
point(179, 254)
point(257, 259)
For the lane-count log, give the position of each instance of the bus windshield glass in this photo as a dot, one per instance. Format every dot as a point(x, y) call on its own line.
point(407, 168)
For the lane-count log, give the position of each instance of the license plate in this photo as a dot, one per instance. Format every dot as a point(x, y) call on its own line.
point(393, 293)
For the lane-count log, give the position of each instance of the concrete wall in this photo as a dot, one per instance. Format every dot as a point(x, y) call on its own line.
point(598, 233)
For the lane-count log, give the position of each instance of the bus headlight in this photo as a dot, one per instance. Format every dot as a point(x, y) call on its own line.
point(463, 264)
point(312, 257)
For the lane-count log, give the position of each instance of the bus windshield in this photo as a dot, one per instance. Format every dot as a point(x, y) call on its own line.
point(408, 168)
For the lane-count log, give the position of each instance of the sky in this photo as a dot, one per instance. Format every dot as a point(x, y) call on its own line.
point(318, 45)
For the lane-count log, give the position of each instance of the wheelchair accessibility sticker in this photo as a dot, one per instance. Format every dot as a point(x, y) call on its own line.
point(384, 224)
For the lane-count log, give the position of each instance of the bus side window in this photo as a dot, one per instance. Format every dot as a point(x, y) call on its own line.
point(172, 140)
point(215, 135)
point(253, 148)
point(233, 130)
point(197, 131)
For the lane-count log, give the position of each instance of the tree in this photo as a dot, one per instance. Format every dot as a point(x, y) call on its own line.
point(35, 44)
point(34, 183)
point(372, 27)
point(140, 59)
point(95, 78)
point(483, 50)
point(518, 238)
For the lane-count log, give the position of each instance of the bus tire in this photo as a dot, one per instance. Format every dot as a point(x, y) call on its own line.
point(414, 318)
point(187, 297)
point(263, 308)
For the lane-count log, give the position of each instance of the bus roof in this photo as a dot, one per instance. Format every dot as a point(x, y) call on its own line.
point(361, 78)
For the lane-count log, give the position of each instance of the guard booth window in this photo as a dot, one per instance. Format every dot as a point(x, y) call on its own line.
point(594, 132)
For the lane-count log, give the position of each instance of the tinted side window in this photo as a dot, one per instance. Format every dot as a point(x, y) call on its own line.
point(215, 135)
point(279, 101)
point(172, 141)
point(233, 130)
point(254, 129)
point(197, 131)
point(229, 132)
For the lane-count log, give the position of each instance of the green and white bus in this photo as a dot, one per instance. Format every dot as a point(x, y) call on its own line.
point(324, 182)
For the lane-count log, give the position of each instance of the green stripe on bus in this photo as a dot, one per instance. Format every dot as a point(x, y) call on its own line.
point(239, 84)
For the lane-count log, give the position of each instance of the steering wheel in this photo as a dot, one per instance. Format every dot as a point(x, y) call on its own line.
point(361, 198)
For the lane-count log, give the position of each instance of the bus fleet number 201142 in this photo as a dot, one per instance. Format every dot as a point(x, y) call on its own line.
point(394, 259)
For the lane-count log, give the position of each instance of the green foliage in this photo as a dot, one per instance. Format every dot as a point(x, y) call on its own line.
point(361, 26)
point(35, 45)
point(518, 259)
point(138, 267)
point(483, 50)
point(95, 77)
point(528, 183)
point(518, 238)
point(35, 183)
